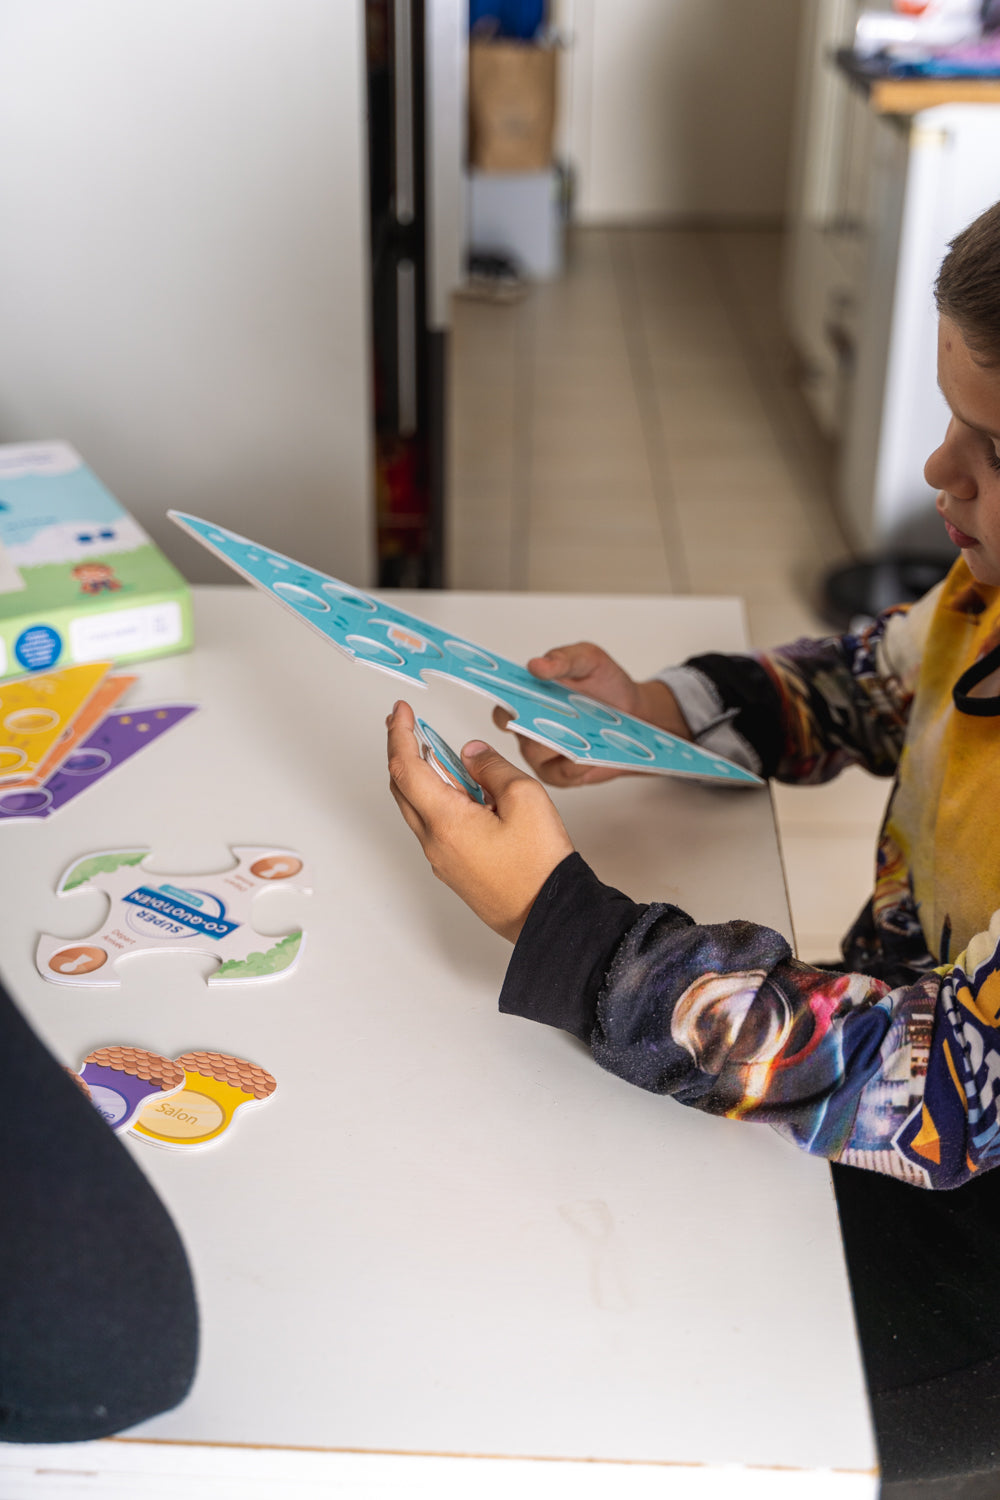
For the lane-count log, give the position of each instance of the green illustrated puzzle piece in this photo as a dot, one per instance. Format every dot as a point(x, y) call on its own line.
point(152, 911)
point(259, 965)
point(99, 864)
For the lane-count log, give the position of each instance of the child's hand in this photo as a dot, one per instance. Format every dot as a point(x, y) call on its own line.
point(587, 669)
point(497, 859)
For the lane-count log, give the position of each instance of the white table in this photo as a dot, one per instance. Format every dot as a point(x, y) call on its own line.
point(450, 1247)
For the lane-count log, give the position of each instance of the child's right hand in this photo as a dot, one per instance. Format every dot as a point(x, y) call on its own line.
point(585, 668)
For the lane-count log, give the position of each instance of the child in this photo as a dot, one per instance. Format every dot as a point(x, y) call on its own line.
point(891, 1062)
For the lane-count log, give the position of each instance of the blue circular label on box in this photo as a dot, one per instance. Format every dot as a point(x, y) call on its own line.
point(38, 647)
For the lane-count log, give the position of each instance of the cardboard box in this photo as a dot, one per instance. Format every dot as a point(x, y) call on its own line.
point(512, 106)
point(79, 578)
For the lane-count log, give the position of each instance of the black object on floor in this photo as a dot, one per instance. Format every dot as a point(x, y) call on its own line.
point(866, 588)
point(98, 1321)
point(926, 1295)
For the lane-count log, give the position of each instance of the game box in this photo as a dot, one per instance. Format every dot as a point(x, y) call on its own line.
point(80, 580)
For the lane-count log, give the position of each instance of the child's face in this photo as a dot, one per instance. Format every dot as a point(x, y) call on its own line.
point(966, 467)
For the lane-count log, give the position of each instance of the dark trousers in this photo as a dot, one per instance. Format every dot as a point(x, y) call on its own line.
point(925, 1277)
point(98, 1322)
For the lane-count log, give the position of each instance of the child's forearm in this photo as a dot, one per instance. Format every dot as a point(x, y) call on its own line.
point(657, 705)
point(722, 1017)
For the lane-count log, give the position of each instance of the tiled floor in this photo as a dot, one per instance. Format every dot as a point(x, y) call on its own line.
point(634, 427)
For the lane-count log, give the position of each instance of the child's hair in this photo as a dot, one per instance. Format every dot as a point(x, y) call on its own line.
point(967, 289)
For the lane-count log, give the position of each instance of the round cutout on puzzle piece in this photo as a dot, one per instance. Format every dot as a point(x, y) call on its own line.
point(472, 656)
point(363, 645)
point(17, 804)
point(82, 958)
point(344, 595)
point(31, 720)
point(567, 739)
point(183, 1117)
point(276, 867)
point(595, 710)
point(85, 762)
point(301, 598)
point(627, 743)
point(109, 1103)
point(676, 746)
point(11, 759)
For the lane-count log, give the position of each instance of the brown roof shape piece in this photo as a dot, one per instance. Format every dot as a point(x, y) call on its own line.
point(149, 1066)
point(237, 1071)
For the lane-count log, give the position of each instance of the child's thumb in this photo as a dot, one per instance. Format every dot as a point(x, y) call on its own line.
point(488, 766)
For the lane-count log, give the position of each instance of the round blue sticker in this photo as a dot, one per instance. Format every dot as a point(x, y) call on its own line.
point(38, 647)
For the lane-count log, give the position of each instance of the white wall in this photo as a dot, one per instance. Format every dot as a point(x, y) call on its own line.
point(183, 282)
point(679, 109)
point(447, 60)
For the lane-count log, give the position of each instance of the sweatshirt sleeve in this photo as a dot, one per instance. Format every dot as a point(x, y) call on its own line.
point(903, 1080)
point(803, 712)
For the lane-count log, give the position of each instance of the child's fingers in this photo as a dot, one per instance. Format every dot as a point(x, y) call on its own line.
point(401, 747)
point(421, 788)
point(567, 663)
point(494, 774)
point(411, 817)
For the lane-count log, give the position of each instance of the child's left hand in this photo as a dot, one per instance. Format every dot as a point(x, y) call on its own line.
point(497, 859)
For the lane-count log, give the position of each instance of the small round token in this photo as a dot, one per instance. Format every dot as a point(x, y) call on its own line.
point(80, 959)
point(276, 867)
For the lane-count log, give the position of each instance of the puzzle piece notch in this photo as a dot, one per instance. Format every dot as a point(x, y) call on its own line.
point(150, 912)
point(373, 632)
point(216, 1085)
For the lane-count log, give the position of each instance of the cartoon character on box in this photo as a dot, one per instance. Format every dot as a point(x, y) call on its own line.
point(96, 578)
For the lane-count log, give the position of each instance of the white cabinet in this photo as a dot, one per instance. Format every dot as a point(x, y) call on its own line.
point(825, 266)
point(883, 184)
point(932, 173)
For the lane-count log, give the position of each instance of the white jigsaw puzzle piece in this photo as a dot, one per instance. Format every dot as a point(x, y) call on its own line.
point(373, 632)
point(155, 913)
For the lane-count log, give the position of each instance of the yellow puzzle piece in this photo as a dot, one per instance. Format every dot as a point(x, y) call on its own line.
point(36, 710)
point(216, 1085)
point(101, 701)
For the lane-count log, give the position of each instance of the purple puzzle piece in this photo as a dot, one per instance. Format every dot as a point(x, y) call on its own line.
point(116, 739)
point(122, 1079)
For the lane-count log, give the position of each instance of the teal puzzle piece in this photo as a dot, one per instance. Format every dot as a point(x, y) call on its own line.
point(371, 631)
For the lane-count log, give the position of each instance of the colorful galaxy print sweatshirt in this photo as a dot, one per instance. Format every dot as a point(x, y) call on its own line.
point(892, 1060)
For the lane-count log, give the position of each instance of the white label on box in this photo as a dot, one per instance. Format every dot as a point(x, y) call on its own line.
point(19, 459)
point(126, 632)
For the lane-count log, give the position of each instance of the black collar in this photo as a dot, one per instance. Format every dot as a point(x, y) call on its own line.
point(982, 707)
